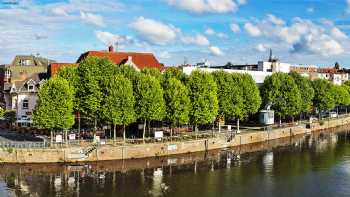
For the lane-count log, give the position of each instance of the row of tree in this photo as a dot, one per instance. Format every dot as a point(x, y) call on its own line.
point(119, 95)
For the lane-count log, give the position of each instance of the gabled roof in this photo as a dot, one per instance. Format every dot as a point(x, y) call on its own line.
point(141, 60)
point(55, 67)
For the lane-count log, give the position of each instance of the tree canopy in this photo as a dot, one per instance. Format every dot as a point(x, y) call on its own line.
point(54, 109)
point(177, 101)
point(323, 99)
point(203, 96)
point(306, 90)
point(150, 103)
point(229, 94)
point(118, 105)
point(281, 90)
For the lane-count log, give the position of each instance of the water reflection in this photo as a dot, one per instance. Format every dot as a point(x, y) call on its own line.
point(288, 167)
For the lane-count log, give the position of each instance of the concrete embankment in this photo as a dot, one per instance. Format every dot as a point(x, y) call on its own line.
point(110, 152)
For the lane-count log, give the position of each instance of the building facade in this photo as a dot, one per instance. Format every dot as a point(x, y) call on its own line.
point(19, 82)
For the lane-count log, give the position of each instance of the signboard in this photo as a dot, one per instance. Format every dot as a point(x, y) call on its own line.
point(97, 139)
point(72, 136)
point(58, 139)
point(158, 134)
point(172, 147)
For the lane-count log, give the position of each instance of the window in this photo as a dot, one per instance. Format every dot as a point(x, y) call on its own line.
point(25, 104)
point(30, 87)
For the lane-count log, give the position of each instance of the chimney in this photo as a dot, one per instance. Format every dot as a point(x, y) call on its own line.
point(110, 48)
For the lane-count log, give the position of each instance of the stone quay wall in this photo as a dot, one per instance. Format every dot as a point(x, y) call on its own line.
point(130, 151)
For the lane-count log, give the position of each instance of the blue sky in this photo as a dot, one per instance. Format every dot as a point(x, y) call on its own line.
point(239, 31)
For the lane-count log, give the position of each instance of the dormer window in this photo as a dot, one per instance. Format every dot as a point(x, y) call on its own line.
point(30, 87)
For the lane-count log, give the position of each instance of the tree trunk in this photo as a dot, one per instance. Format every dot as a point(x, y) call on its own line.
point(144, 131)
point(238, 131)
point(114, 133)
point(196, 130)
point(79, 125)
point(95, 128)
point(51, 137)
point(124, 133)
point(171, 134)
point(280, 121)
point(66, 136)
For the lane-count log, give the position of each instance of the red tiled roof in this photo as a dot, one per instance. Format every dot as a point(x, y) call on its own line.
point(327, 70)
point(55, 67)
point(141, 60)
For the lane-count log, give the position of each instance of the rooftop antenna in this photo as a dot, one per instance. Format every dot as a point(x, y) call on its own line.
point(185, 60)
point(270, 57)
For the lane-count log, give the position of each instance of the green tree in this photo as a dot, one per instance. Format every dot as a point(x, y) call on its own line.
point(10, 116)
point(306, 90)
point(177, 102)
point(341, 95)
point(54, 109)
point(92, 72)
point(251, 97)
point(229, 95)
point(153, 72)
point(203, 96)
point(129, 72)
point(281, 91)
point(2, 112)
point(174, 72)
point(149, 100)
point(119, 103)
point(323, 99)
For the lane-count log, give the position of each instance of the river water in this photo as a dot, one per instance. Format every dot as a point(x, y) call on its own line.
point(316, 165)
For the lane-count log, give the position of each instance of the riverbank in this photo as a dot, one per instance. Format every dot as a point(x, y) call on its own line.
point(132, 151)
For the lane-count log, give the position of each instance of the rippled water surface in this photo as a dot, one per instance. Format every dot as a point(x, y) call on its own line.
point(317, 165)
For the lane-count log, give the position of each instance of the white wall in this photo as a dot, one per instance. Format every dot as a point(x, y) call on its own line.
point(258, 76)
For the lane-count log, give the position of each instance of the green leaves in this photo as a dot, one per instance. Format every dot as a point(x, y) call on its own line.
point(324, 98)
point(118, 107)
point(55, 105)
point(203, 96)
point(177, 101)
point(281, 90)
point(149, 98)
point(306, 90)
point(238, 94)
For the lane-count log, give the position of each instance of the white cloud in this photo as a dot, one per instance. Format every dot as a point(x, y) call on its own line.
point(338, 34)
point(154, 31)
point(261, 48)
point(235, 27)
point(274, 20)
point(301, 36)
point(201, 6)
point(216, 51)
point(199, 40)
point(211, 32)
point(92, 19)
point(108, 38)
point(252, 30)
point(60, 11)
